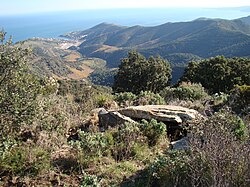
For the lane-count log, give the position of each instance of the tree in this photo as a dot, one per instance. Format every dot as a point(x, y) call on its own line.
point(218, 74)
point(137, 74)
point(159, 74)
point(18, 88)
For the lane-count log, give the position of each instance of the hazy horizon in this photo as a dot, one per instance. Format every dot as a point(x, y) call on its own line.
point(53, 24)
point(30, 6)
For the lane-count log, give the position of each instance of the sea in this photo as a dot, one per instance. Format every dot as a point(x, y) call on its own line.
point(54, 24)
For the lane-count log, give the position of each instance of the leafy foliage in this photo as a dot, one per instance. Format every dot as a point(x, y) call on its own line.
point(239, 99)
point(18, 88)
point(185, 91)
point(93, 144)
point(218, 156)
point(137, 74)
point(103, 77)
point(149, 98)
point(20, 161)
point(143, 98)
point(219, 74)
point(153, 130)
point(126, 139)
point(125, 98)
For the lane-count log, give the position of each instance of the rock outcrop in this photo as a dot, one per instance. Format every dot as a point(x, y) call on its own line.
point(164, 113)
point(175, 117)
point(182, 144)
point(112, 119)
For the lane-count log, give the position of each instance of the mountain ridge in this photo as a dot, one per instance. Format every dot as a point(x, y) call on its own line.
point(202, 37)
point(179, 43)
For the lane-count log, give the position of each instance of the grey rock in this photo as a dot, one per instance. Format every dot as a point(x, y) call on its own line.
point(112, 119)
point(164, 113)
point(182, 144)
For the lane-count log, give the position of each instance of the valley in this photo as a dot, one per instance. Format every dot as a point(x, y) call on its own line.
point(51, 57)
point(95, 53)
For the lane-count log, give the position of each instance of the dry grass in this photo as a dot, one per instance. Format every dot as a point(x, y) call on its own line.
point(107, 49)
point(79, 74)
point(72, 57)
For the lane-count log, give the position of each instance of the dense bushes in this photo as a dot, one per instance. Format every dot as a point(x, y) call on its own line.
point(154, 131)
point(219, 74)
point(136, 74)
point(143, 98)
point(93, 144)
point(218, 156)
point(128, 139)
point(223, 142)
point(88, 96)
point(185, 91)
point(123, 142)
point(118, 151)
point(18, 88)
point(239, 99)
point(21, 161)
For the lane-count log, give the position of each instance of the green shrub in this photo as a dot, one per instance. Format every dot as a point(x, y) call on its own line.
point(185, 91)
point(24, 161)
point(220, 99)
point(18, 88)
point(239, 99)
point(126, 139)
point(170, 170)
point(232, 122)
point(149, 98)
point(93, 144)
point(125, 98)
point(153, 130)
point(103, 99)
point(6, 144)
point(165, 171)
point(143, 98)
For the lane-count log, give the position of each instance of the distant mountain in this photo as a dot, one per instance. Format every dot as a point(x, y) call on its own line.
point(196, 39)
point(245, 20)
point(96, 52)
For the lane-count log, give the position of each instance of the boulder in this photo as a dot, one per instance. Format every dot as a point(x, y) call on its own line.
point(182, 144)
point(164, 113)
point(112, 119)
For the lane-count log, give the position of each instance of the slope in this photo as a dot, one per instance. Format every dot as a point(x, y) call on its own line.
point(202, 37)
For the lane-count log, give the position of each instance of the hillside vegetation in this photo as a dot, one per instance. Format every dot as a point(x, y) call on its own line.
point(201, 38)
point(51, 57)
point(51, 130)
point(96, 53)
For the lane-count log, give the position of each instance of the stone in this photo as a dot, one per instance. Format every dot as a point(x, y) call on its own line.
point(112, 119)
point(98, 111)
point(164, 113)
point(182, 144)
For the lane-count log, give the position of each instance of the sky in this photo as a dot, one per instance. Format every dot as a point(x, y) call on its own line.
point(9, 7)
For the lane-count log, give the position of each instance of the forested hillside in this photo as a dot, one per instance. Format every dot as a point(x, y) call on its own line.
point(96, 53)
point(202, 37)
